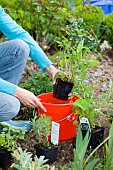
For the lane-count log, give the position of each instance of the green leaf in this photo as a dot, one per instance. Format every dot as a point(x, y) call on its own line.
point(100, 54)
point(62, 62)
point(72, 2)
point(80, 47)
point(82, 103)
point(92, 63)
point(81, 144)
point(110, 143)
point(90, 165)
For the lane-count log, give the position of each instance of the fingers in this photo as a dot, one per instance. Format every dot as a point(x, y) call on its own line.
point(36, 103)
point(39, 104)
point(28, 99)
point(42, 107)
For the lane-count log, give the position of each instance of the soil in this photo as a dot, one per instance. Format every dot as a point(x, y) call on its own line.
point(101, 74)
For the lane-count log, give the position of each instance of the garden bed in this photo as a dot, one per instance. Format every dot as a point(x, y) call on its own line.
point(102, 74)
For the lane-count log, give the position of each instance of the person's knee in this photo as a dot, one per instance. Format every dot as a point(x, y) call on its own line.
point(14, 107)
point(23, 47)
point(9, 109)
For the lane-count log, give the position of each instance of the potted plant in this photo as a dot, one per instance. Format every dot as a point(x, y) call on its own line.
point(8, 142)
point(73, 58)
point(23, 161)
point(65, 79)
point(42, 130)
point(87, 111)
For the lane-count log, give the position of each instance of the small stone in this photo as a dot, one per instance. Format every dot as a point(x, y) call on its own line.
point(103, 89)
point(85, 82)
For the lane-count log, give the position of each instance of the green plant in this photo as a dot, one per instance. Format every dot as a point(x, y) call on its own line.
point(72, 60)
point(74, 54)
point(9, 137)
point(40, 18)
point(76, 3)
point(108, 161)
point(80, 163)
point(92, 18)
point(38, 83)
point(76, 28)
point(23, 161)
point(88, 109)
point(105, 100)
point(42, 128)
point(108, 164)
point(75, 61)
point(107, 31)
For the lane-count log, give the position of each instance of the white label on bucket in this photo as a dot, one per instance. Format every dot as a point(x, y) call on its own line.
point(55, 133)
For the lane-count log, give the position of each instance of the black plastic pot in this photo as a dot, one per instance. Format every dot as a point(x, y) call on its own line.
point(50, 153)
point(97, 135)
point(62, 89)
point(5, 160)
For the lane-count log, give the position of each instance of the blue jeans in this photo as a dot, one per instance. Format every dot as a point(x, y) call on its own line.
point(13, 58)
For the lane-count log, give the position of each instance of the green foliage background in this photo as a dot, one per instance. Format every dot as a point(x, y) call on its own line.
point(92, 17)
point(46, 20)
point(107, 31)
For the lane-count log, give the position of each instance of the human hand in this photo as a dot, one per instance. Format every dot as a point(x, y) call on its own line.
point(51, 70)
point(28, 99)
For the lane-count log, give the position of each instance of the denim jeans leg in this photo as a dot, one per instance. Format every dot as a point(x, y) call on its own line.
point(13, 58)
point(9, 107)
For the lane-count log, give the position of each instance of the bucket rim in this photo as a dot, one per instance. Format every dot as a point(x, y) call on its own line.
point(58, 104)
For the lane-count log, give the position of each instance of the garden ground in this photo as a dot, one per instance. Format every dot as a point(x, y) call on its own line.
point(101, 74)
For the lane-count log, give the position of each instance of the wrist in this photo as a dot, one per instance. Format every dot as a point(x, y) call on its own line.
point(49, 68)
point(17, 92)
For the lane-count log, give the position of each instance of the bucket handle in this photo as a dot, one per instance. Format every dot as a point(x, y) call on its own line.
point(67, 117)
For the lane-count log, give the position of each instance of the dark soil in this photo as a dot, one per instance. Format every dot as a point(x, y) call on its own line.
point(101, 74)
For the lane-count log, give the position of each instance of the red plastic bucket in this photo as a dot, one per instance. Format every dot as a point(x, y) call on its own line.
point(61, 112)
